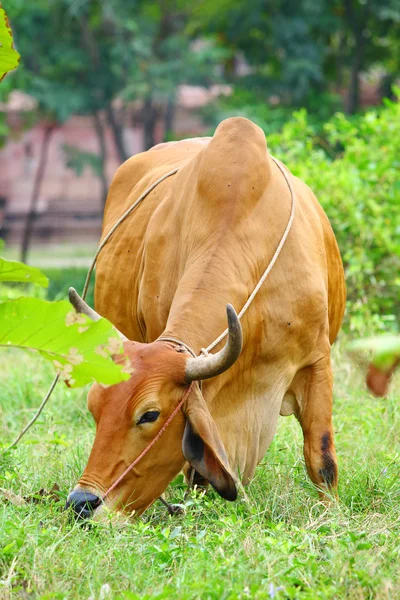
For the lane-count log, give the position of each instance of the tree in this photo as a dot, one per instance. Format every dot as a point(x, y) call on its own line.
point(79, 58)
point(146, 55)
point(299, 49)
point(283, 42)
point(369, 30)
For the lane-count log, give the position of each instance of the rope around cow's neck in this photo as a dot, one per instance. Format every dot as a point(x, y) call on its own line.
point(224, 333)
point(118, 223)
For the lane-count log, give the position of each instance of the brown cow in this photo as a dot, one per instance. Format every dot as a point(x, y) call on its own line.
point(202, 239)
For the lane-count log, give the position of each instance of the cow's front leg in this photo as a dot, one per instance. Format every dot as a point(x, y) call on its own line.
point(193, 478)
point(315, 416)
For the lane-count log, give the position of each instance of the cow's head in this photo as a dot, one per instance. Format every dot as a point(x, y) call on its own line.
point(129, 415)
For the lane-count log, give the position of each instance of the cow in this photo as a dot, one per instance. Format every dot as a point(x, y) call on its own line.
point(198, 242)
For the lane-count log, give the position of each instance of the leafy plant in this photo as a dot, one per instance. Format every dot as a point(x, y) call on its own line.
point(79, 349)
point(9, 57)
point(77, 160)
point(353, 170)
point(14, 271)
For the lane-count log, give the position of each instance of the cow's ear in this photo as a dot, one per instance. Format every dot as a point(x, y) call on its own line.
point(203, 448)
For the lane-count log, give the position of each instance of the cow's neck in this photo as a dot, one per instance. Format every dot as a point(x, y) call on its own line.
point(207, 238)
point(197, 315)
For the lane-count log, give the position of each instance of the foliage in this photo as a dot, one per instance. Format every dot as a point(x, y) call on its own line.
point(9, 57)
point(78, 348)
point(284, 46)
point(386, 349)
point(279, 542)
point(78, 160)
point(81, 57)
point(245, 103)
point(297, 51)
point(353, 170)
point(16, 271)
point(46, 71)
point(62, 279)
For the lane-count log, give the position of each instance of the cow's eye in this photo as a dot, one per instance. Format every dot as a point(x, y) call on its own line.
point(149, 417)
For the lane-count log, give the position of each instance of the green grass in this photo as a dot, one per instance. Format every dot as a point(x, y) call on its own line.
point(63, 254)
point(279, 542)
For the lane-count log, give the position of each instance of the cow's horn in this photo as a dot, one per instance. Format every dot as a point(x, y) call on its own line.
point(81, 307)
point(204, 367)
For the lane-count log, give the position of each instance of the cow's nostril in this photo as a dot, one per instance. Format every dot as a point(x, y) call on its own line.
point(83, 503)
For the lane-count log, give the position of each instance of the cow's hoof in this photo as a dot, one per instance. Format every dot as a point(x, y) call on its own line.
point(176, 509)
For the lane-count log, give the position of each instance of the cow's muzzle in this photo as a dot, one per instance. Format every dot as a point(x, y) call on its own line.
point(83, 503)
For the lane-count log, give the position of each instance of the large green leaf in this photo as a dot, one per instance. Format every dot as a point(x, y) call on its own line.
point(11, 270)
point(79, 349)
point(9, 57)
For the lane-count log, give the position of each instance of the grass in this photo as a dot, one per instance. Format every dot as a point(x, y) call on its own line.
point(55, 255)
point(279, 542)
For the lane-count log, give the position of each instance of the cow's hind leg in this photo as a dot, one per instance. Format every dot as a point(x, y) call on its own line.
point(315, 417)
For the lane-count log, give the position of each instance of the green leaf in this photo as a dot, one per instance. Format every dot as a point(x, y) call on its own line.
point(79, 349)
point(9, 58)
point(78, 160)
point(11, 270)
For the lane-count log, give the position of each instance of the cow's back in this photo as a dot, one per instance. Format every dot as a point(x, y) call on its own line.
point(153, 244)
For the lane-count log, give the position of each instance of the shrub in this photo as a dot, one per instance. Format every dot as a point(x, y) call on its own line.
point(62, 279)
point(354, 171)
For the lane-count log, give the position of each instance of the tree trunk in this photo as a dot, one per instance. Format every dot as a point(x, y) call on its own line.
point(357, 23)
point(353, 96)
point(37, 184)
point(99, 128)
point(149, 122)
point(117, 130)
point(340, 62)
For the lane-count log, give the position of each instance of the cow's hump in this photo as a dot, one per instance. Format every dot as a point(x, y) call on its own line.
point(235, 165)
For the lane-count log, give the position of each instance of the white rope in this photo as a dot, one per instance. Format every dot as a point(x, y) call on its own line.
point(179, 343)
point(118, 223)
point(254, 293)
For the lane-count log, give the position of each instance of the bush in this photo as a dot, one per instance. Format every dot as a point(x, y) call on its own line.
point(62, 279)
point(354, 171)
